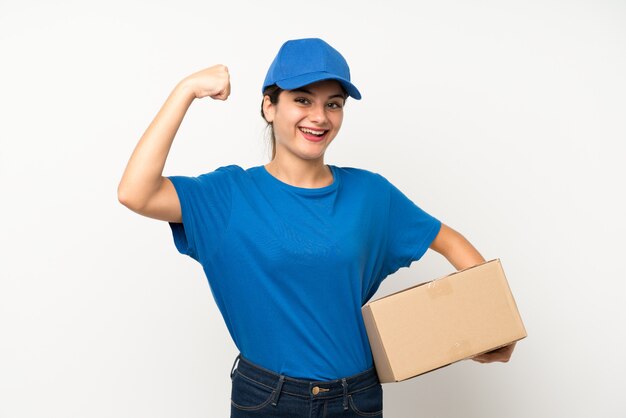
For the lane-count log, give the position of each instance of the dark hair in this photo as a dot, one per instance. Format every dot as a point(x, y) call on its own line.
point(273, 92)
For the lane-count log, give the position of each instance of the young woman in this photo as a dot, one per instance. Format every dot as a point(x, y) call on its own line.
point(292, 249)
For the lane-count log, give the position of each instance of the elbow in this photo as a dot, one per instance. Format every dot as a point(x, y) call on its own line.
point(125, 197)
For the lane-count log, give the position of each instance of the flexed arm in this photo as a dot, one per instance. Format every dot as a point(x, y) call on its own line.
point(143, 189)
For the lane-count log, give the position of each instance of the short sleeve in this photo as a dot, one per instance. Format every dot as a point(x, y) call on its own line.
point(205, 203)
point(410, 232)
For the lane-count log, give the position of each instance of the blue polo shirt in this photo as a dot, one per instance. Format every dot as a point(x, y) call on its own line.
point(291, 267)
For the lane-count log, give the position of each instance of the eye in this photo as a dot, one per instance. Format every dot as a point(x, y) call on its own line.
point(302, 100)
point(334, 105)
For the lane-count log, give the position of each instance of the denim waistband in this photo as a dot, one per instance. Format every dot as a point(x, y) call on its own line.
point(309, 389)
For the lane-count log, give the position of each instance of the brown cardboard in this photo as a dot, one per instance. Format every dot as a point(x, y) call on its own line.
point(437, 323)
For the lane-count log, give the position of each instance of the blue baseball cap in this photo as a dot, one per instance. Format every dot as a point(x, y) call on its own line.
point(304, 61)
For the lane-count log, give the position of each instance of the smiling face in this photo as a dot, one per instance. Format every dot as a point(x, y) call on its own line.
point(306, 120)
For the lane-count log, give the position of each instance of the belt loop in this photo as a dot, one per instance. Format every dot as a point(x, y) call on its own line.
point(233, 369)
point(278, 389)
point(345, 393)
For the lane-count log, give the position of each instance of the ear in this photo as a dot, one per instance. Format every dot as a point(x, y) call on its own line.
point(269, 109)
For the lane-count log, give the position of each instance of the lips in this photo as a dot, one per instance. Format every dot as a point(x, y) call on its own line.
point(314, 135)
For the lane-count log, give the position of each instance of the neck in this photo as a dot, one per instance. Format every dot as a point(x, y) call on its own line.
point(300, 173)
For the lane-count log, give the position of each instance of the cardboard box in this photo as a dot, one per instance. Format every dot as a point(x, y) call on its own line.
point(437, 323)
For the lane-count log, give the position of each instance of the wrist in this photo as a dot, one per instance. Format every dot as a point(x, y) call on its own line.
point(184, 88)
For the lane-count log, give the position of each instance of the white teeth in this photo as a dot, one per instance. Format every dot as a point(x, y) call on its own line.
point(310, 131)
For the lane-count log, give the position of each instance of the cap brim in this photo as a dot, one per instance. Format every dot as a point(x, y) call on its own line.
point(305, 79)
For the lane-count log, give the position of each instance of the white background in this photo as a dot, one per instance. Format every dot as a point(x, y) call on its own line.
point(506, 120)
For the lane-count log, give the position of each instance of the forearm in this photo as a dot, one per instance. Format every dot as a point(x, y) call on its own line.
point(143, 173)
point(464, 255)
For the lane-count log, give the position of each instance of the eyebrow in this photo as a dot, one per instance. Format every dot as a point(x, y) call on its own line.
point(301, 90)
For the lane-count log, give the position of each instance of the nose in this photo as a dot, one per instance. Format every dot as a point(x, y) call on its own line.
point(317, 113)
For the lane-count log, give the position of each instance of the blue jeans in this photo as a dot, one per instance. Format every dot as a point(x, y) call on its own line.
point(258, 392)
